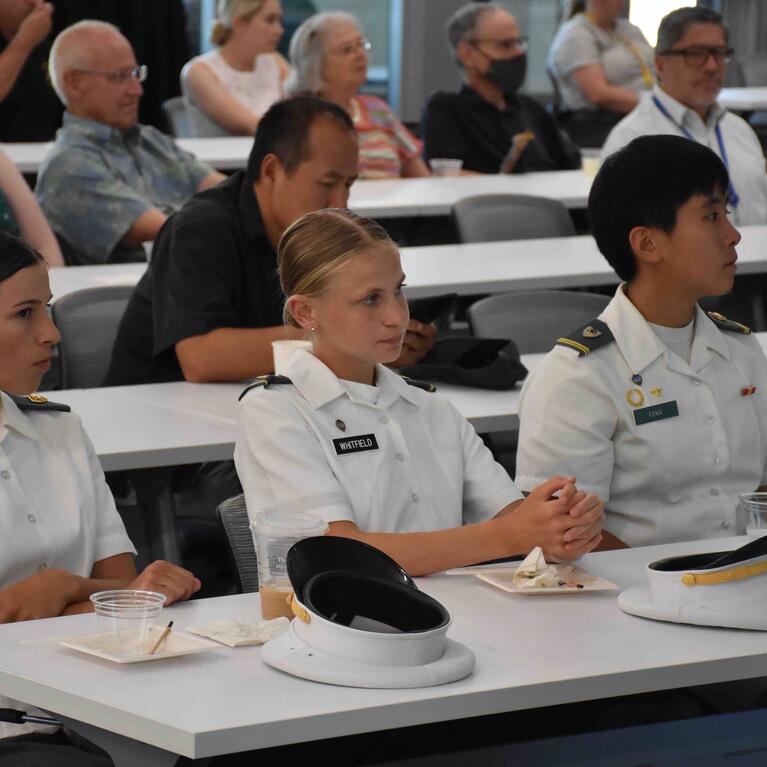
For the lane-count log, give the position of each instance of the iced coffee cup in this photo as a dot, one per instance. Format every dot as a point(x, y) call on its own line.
point(274, 532)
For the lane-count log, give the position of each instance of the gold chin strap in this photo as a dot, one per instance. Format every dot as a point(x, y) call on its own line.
point(298, 611)
point(724, 576)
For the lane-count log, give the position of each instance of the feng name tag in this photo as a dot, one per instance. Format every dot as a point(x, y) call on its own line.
point(659, 412)
point(357, 444)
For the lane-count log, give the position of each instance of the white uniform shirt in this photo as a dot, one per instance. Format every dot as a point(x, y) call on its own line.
point(55, 507)
point(424, 468)
point(671, 479)
point(744, 152)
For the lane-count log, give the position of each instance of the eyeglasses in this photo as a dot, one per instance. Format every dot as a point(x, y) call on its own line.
point(507, 44)
point(121, 77)
point(363, 44)
point(697, 56)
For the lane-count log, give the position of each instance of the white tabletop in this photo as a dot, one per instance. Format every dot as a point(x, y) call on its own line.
point(531, 652)
point(743, 99)
point(491, 267)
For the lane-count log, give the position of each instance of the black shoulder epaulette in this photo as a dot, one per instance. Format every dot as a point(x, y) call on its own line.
point(37, 403)
point(724, 324)
point(587, 339)
point(429, 387)
point(266, 382)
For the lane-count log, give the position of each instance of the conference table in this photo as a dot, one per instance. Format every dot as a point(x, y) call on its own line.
point(466, 269)
point(749, 99)
point(406, 197)
point(531, 651)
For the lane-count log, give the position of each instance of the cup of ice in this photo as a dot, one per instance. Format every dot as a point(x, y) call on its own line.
point(445, 166)
point(127, 620)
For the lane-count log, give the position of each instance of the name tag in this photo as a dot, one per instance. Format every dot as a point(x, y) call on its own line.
point(355, 444)
point(645, 415)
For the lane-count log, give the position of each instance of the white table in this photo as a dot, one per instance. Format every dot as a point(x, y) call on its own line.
point(227, 700)
point(492, 267)
point(743, 99)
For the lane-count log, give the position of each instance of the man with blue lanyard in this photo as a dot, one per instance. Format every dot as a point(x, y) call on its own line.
point(691, 56)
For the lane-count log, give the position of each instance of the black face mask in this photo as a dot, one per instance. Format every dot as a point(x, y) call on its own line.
point(508, 74)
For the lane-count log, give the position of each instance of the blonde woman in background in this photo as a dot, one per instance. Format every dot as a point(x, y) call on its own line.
point(329, 55)
point(228, 89)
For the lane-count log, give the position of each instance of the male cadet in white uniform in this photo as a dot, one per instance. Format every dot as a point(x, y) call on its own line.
point(691, 56)
point(656, 406)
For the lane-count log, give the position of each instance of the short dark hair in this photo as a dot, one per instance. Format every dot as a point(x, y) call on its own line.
point(284, 131)
point(673, 26)
point(15, 255)
point(645, 184)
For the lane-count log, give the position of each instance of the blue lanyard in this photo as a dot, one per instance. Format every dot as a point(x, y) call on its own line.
point(733, 197)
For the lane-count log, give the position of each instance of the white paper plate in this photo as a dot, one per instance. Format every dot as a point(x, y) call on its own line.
point(502, 579)
point(175, 644)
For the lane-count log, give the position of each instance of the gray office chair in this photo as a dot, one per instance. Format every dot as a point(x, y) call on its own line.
point(233, 516)
point(490, 217)
point(533, 319)
point(177, 117)
point(88, 321)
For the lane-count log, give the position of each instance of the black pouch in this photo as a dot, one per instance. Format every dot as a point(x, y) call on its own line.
point(485, 363)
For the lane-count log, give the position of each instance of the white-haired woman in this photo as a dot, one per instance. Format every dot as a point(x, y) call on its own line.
point(228, 89)
point(329, 56)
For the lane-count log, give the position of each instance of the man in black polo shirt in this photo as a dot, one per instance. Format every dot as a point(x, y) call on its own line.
point(478, 124)
point(210, 303)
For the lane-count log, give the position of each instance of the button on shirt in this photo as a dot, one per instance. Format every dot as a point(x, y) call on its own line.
point(744, 152)
point(287, 453)
point(669, 479)
point(55, 507)
point(96, 181)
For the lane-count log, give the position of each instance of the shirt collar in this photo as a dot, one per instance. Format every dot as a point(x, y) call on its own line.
point(319, 385)
point(250, 214)
point(679, 111)
point(15, 419)
point(640, 346)
point(99, 131)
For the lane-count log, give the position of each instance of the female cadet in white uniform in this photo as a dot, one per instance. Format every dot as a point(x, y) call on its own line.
point(379, 459)
point(61, 538)
point(657, 407)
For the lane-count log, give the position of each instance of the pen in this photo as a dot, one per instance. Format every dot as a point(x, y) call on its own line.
point(161, 638)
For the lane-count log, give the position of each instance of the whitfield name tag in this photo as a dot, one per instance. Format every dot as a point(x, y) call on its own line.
point(645, 415)
point(355, 444)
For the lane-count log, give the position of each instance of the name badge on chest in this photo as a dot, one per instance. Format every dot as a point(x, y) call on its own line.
point(658, 412)
point(358, 444)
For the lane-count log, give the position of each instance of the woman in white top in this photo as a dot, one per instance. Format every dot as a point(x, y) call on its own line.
point(380, 460)
point(228, 89)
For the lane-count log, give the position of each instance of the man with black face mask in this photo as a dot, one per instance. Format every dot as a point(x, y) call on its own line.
point(488, 124)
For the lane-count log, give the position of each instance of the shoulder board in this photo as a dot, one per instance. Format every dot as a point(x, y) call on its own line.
point(429, 387)
point(724, 324)
point(37, 403)
point(266, 382)
point(588, 338)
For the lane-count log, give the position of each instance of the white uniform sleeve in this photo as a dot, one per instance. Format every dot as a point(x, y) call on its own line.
point(487, 487)
point(567, 420)
point(111, 537)
point(280, 461)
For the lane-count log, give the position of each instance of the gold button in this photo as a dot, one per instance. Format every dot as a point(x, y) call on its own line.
point(688, 579)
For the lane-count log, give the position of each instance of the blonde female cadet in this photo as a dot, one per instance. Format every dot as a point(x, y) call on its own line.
point(380, 459)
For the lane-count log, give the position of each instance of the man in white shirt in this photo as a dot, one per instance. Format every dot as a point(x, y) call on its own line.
point(691, 56)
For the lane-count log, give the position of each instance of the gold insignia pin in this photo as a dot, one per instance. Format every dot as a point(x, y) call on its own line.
point(656, 391)
point(591, 332)
point(635, 398)
point(37, 398)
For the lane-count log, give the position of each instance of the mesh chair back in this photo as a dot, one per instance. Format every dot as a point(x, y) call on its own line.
point(88, 321)
point(534, 319)
point(492, 217)
point(233, 516)
point(178, 120)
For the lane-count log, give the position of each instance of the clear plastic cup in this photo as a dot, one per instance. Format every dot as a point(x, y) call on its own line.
point(754, 507)
point(274, 532)
point(590, 161)
point(445, 166)
point(283, 350)
point(127, 620)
